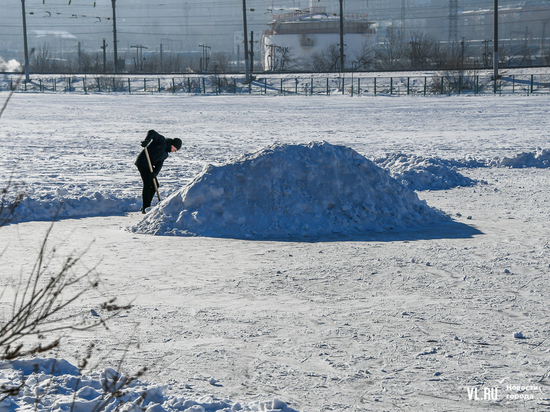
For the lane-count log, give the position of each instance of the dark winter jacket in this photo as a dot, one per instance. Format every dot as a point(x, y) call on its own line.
point(158, 148)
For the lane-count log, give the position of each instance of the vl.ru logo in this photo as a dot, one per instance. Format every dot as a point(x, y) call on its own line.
point(487, 394)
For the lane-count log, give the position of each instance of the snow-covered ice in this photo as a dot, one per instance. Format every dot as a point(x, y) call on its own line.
point(433, 317)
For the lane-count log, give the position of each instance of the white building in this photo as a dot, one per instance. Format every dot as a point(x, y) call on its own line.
point(295, 38)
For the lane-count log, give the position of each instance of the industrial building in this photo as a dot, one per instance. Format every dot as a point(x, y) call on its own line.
point(294, 38)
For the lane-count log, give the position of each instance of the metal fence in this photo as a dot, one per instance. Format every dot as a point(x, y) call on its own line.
point(350, 85)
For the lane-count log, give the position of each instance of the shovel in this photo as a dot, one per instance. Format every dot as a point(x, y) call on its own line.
point(151, 169)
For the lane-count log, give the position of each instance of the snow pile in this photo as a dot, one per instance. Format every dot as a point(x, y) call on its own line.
point(420, 173)
point(287, 191)
point(66, 203)
point(540, 158)
point(56, 385)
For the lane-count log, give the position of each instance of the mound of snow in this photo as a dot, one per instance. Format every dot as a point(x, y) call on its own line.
point(540, 158)
point(63, 203)
point(288, 191)
point(55, 385)
point(420, 173)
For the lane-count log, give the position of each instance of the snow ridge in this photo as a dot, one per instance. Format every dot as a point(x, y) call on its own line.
point(290, 191)
point(421, 173)
point(540, 159)
point(63, 205)
point(69, 390)
point(414, 171)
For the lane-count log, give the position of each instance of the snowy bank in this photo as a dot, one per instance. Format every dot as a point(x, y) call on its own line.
point(421, 173)
point(540, 158)
point(290, 191)
point(63, 203)
point(56, 385)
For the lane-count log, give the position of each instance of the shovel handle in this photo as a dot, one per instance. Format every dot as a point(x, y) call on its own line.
point(151, 169)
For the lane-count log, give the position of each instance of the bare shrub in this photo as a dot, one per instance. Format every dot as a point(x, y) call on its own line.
point(390, 53)
point(364, 57)
point(326, 60)
point(41, 312)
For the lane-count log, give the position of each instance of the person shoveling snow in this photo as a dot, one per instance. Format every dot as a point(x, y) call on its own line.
point(290, 191)
point(149, 162)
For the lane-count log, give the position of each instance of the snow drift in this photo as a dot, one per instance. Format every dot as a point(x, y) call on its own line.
point(289, 191)
point(540, 159)
point(421, 173)
point(65, 204)
point(56, 385)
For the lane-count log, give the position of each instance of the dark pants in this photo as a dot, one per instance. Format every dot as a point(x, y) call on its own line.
point(148, 191)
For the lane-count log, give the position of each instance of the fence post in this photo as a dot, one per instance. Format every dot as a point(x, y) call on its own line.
point(328, 92)
point(173, 86)
point(359, 85)
point(265, 86)
point(234, 86)
point(203, 86)
point(391, 85)
point(159, 83)
point(408, 85)
point(442, 84)
point(531, 84)
point(343, 85)
point(85, 90)
point(250, 87)
point(296, 87)
point(375, 86)
point(513, 83)
point(425, 81)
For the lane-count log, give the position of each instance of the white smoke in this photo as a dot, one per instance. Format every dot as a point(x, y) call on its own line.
point(10, 66)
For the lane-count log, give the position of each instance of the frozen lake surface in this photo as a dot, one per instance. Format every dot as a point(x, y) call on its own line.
point(448, 316)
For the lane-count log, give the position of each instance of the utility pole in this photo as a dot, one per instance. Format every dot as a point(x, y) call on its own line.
point(204, 58)
point(544, 23)
point(252, 52)
point(161, 57)
point(453, 21)
point(462, 54)
point(79, 57)
point(247, 73)
point(114, 36)
point(25, 41)
point(402, 27)
point(342, 35)
point(495, 47)
point(104, 47)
